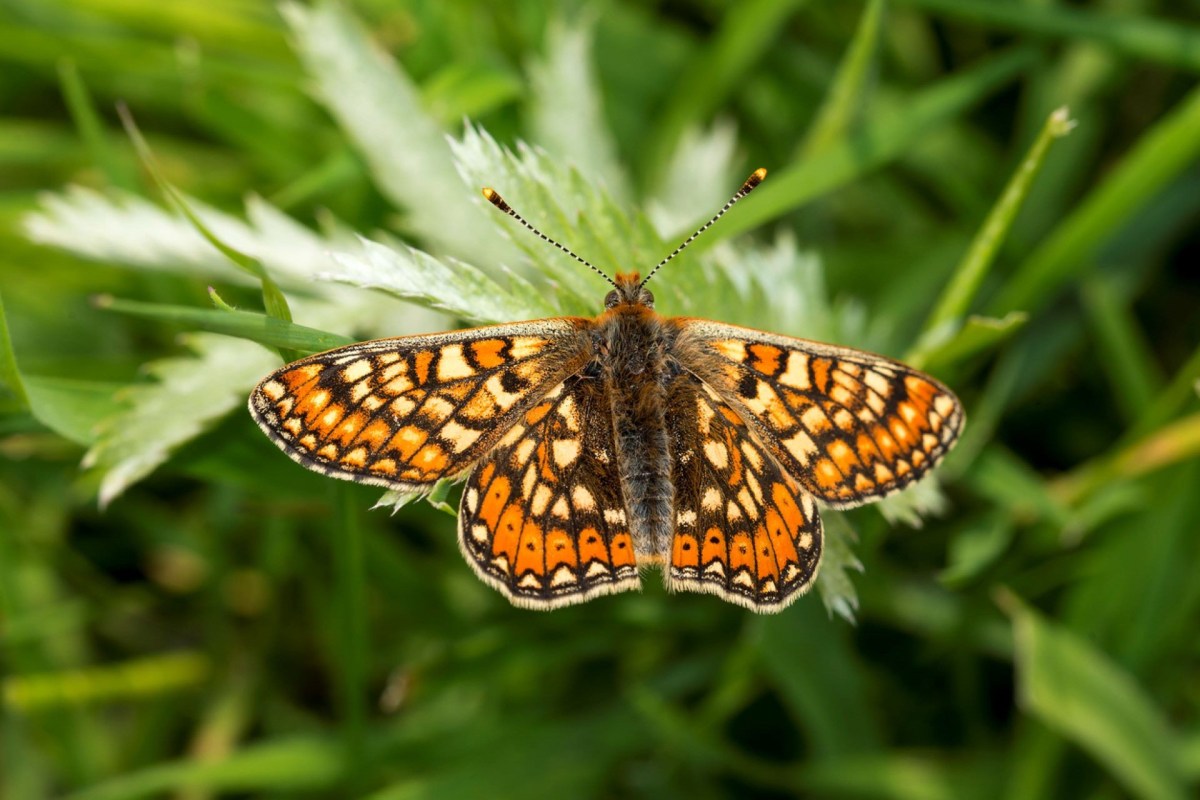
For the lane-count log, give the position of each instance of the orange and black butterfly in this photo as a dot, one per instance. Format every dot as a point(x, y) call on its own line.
point(595, 447)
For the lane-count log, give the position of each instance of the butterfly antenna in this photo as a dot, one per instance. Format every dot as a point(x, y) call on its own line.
point(495, 199)
point(754, 180)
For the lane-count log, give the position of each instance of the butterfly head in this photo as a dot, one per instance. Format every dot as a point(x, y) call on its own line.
point(629, 291)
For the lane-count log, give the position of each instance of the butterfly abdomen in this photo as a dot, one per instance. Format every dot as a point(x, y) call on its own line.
point(633, 365)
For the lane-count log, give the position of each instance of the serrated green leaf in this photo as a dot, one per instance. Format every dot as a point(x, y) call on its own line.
point(188, 395)
point(838, 558)
point(567, 117)
point(445, 285)
point(380, 108)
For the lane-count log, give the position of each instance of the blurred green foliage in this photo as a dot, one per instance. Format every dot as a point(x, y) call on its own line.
point(231, 625)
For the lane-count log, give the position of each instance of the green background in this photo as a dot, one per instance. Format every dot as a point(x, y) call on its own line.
point(231, 625)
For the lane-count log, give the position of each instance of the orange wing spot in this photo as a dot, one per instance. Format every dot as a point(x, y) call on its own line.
point(866, 450)
point(328, 420)
point(376, 433)
point(351, 425)
point(741, 552)
point(430, 459)
point(913, 418)
point(481, 406)
point(883, 474)
point(782, 499)
point(329, 451)
point(920, 388)
point(591, 546)
point(535, 415)
point(497, 497)
point(917, 458)
point(685, 551)
point(887, 445)
point(843, 455)
point(545, 469)
point(312, 404)
point(407, 441)
point(820, 373)
point(296, 379)
point(827, 474)
point(529, 550)
point(713, 547)
point(622, 550)
point(508, 532)
point(485, 477)
point(764, 553)
point(309, 441)
point(560, 549)
point(901, 433)
point(487, 353)
point(422, 361)
point(902, 468)
point(384, 466)
point(862, 483)
point(781, 534)
point(356, 458)
point(765, 358)
point(736, 472)
point(731, 416)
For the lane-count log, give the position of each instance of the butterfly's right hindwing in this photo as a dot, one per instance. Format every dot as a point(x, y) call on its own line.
point(406, 412)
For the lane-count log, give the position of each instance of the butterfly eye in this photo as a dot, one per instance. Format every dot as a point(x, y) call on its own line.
point(611, 298)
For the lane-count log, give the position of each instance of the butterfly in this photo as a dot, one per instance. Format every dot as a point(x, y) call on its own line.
point(593, 448)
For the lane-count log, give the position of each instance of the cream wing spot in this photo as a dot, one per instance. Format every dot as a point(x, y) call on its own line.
point(796, 374)
point(716, 453)
point(582, 499)
point(356, 371)
point(452, 365)
point(565, 452)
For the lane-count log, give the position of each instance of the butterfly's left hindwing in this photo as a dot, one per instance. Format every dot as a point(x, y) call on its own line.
point(849, 425)
point(743, 529)
point(406, 412)
point(542, 517)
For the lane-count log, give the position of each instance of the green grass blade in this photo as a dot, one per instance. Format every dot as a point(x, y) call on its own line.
point(136, 679)
point(1123, 351)
point(1065, 682)
point(260, 328)
point(846, 94)
point(1141, 36)
point(744, 36)
point(10, 376)
point(274, 302)
point(301, 764)
point(91, 127)
point(1179, 392)
point(956, 299)
point(1157, 158)
point(976, 335)
point(878, 141)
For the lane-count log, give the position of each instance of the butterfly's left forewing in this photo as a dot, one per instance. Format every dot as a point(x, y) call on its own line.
point(849, 425)
point(406, 412)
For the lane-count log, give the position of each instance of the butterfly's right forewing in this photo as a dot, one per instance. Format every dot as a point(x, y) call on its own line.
point(406, 412)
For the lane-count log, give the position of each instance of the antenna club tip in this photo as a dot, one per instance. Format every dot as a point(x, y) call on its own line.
point(494, 198)
point(754, 180)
